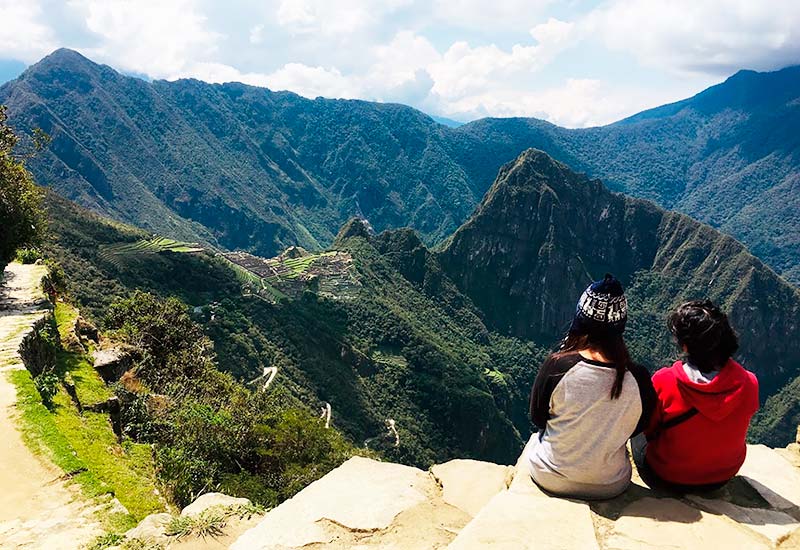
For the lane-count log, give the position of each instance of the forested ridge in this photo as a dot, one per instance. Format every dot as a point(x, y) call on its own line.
point(244, 167)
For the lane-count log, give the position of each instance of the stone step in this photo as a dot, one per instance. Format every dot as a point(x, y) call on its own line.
point(774, 477)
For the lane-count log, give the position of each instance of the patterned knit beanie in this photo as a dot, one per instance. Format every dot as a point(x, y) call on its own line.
point(602, 308)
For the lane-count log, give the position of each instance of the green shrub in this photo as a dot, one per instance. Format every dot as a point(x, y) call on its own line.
point(20, 198)
point(47, 385)
point(28, 255)
point(105, 541)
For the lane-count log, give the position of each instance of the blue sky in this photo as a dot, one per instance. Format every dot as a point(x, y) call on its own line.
point(575, 63)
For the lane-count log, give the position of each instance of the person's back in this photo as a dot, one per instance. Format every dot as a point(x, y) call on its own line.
point(586, 408)
point(705, 403)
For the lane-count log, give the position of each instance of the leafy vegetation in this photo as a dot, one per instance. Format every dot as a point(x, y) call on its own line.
point(20, 199)
point(209, 431)
point(84, 446)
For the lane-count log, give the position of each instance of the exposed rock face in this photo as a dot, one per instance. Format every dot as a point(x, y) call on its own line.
point(366, 504)
point(112, 362)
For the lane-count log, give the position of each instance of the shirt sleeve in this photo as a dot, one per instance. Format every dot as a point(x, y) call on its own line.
point(548, 377)
point(647, 394)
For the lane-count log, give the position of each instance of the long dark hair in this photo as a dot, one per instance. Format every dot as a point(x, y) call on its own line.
point(609, 343)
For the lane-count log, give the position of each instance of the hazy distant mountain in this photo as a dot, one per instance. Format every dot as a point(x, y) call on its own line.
point(245, 167)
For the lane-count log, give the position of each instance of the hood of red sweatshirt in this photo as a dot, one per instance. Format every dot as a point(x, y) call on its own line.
point(720, 397)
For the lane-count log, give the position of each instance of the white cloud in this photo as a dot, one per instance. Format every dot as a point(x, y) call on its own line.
point(708, 36)
point(577, 102)
point(437, 55)
point(503, 15)
point(313, 81)
point(23, 35)
point(257, 34)
point(159, 38)
point(334, 19)
point(464, 70)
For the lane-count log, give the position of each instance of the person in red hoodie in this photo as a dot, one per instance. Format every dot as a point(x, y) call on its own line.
point(696, 440)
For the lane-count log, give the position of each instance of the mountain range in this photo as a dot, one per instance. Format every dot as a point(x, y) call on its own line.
point(445, 342)
point(240, 167)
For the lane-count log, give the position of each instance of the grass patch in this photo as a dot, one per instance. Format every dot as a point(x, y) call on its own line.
point(84, 445)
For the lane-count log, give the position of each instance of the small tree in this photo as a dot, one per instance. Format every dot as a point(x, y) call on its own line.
point(22, 220)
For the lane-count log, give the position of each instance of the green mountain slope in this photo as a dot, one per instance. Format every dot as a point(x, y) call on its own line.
point(401, 343)
point(442, 346)
point(544, 232)
point(231, 164)
point(244, 167)
point(727, 156)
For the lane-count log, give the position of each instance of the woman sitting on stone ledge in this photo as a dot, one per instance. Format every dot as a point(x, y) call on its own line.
point(696, 441)
point(588, 399)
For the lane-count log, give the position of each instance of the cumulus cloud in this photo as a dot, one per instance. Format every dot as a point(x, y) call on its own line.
point(708, 36)
point(334, 18)
point(154, 37)
point(504, 15)
point(458, 58)
point(23, 34)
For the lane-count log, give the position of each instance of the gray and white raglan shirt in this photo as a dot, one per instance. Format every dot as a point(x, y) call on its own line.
point(580, 449)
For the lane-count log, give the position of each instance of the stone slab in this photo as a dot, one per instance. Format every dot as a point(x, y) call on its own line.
point(772, 476)
point(521, 521)
point(773, 525)
point(470, 484)
point(360, 495)
point(669, 524)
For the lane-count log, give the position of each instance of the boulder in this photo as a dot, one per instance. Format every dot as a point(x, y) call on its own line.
point(774, 477)
point(470, 484)
point(112, 362)
point(212, 500)
point(85, 329)
point(361, 495)
point(151, 528)
point(520, 521)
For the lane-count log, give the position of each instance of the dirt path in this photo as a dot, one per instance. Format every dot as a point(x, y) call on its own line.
point(37, 510)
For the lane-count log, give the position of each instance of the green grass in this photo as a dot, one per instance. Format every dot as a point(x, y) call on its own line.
point(84, 446)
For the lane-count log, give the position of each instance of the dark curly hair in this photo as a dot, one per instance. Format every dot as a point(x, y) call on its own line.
point(704, 329)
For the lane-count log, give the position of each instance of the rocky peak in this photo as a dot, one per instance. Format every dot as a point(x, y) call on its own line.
point(355, 227)
point(538, 238)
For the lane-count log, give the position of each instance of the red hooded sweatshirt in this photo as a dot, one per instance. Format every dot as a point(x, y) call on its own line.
point(710, 446)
